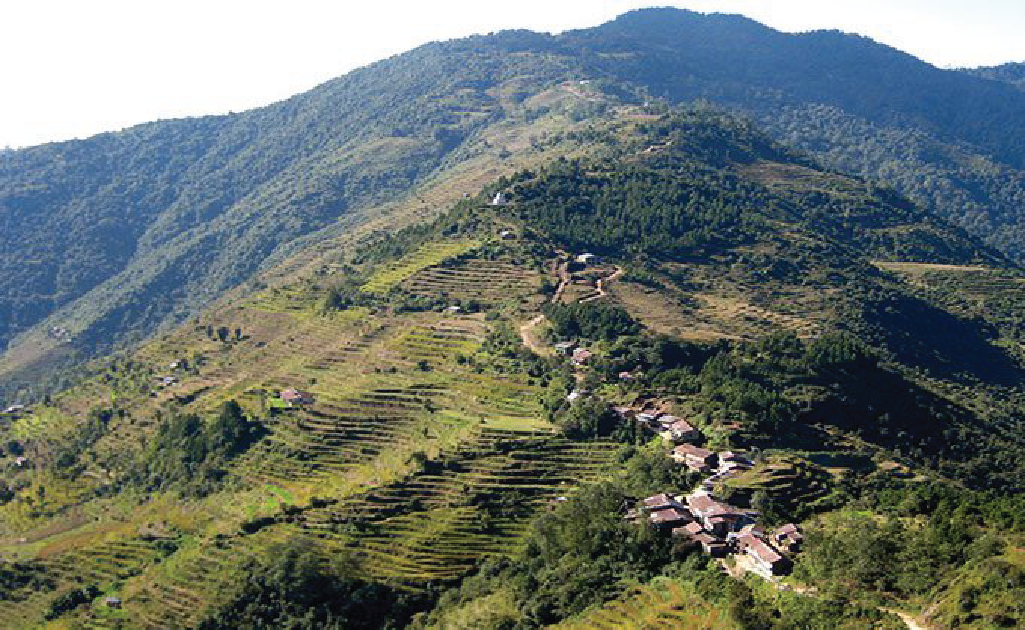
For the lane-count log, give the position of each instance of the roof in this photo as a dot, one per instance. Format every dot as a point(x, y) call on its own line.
point(689, 450)
point(659, 499)
point(759, 549)
point(580, 354)
point(294, 394)
point(669, 514)
point(680, 425)
point(706, 506)
point(708, 540)
point(789, 528)
point(694, 528)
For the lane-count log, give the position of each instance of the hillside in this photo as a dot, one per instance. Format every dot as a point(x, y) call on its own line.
point(430, 470)
point(1013, 73)
point(111, 238)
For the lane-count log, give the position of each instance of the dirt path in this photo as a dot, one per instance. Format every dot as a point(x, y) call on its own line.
point(529, 340)
point(909, 620)
point(601, 284)
point(562, 269)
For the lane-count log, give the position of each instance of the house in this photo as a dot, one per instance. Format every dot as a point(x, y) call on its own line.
point(507, 235)
point(15, 409)
point(789, 537)
point(112, 602)
point(453, 309)
point(670, 516)
point(718, 518)
point(21, 462)
point(690, 529)
point(295, 397)
point(582, 356)
point(713, 546)
point(765, 560)
point(588, 259)
point(696, 458)
point(659, 501)
point(565, 347)
point(167, 380)
point(678, 430)
point(499, 199)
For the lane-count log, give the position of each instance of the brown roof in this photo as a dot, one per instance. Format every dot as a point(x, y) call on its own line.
point(759, 549)
point(689, 450)
point(669, 515)
point(705, 506)
point(291, 394)
point(581, 355)
point(660, 500)
point(694, 528)
point(789, 528)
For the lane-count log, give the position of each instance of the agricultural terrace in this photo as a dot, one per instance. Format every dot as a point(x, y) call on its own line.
point(406, 459)
point(427, 255)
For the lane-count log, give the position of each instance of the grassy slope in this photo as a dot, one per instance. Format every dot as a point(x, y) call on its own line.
point(344, 474)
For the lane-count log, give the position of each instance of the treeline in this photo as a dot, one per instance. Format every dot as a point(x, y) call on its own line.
point(921, 540)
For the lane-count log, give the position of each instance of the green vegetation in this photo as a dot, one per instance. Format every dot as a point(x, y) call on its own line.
point(218, 199)
point(436, 473)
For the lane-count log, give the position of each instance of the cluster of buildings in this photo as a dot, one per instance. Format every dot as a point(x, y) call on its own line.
point(700, 518)
point(721, 529)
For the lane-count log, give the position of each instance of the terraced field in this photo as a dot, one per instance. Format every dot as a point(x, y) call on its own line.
point(426, 256)
point(978, 283)
point(439, 522)
point(736, 317)
point(482, 280)
point(99, 565)
point(661, 604)
point(412, 460)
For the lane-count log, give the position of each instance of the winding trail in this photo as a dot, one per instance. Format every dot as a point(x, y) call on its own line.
point(529, 339)
point(600, 285)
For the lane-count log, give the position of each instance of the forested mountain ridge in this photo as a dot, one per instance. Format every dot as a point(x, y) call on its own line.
point(391, 433)
point(1013, 73)
point(113, 236)
point(127, 229)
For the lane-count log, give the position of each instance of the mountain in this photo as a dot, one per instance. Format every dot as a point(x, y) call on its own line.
point(1013, 73)
point(120, 233)
point(111, 238)
point(388, 433)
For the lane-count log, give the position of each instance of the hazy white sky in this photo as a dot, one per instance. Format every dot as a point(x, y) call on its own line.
point(72, 68)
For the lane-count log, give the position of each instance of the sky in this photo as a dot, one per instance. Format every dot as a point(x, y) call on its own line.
point(73, 68)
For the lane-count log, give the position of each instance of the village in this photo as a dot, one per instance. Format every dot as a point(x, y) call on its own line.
point(699, 518)
point(702, 519)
